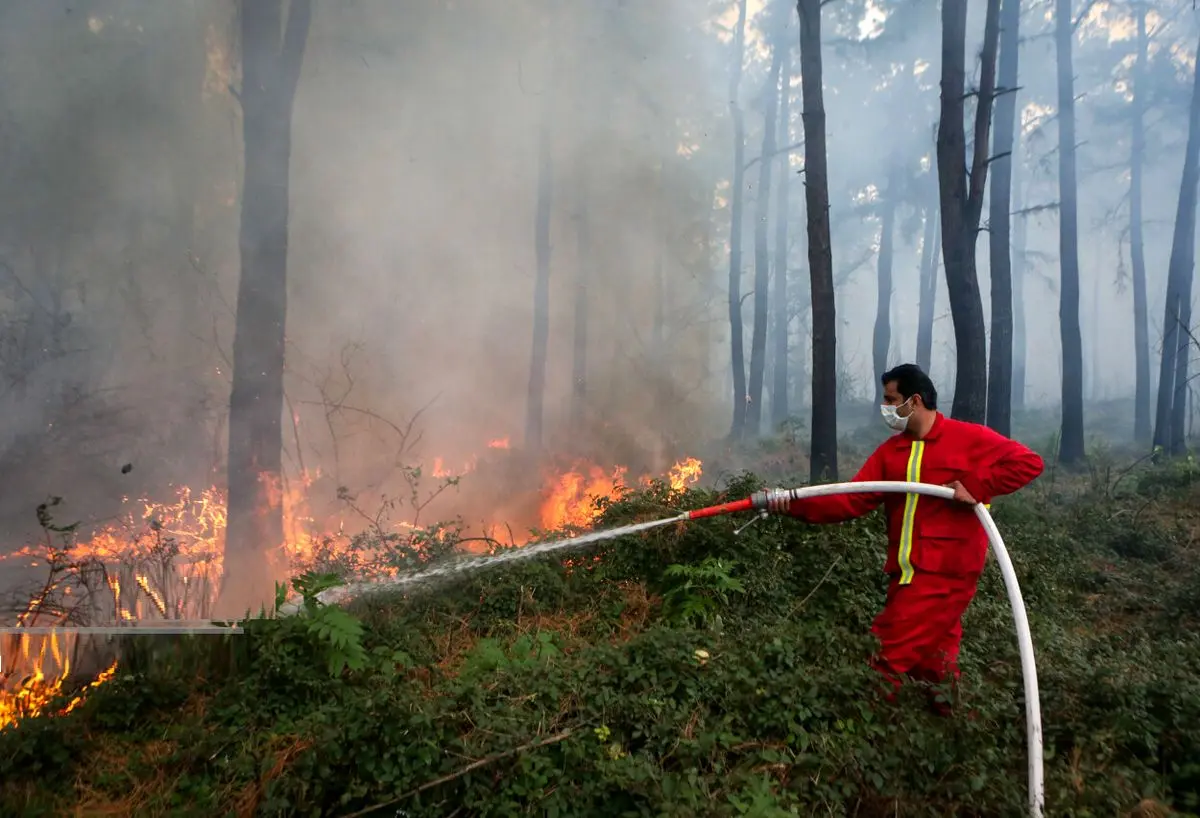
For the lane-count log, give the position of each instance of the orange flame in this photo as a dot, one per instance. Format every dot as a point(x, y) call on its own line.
point(570, 497)
point(164, 561)
point(34, 689)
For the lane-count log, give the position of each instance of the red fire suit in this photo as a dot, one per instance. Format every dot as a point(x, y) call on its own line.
point(936, 548)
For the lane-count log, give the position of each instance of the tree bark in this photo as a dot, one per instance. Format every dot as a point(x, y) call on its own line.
point(1178, 443)
point(1020, 245)
point(736, 338)
point(1172, 375)
point(999, 403)
point(1137, 241)
point(930, 253)
point(779, 379)
point(762, 254)
point(541, 287)
point(882, 339)
point(962, 200)
point(823, 449)
point(1071, 446)
point(254, 529)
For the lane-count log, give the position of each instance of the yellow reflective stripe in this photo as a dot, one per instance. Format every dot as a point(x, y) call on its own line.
point(910, 513)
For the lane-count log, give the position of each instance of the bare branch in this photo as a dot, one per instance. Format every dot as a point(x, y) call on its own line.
point(1087, 9)
point(294, 39)
point(773, 154)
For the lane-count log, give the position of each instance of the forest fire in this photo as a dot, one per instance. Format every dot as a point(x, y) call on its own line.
point(162, 561)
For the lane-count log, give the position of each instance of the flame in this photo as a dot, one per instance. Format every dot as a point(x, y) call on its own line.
point(441, 472)
point(35, 690)
point(570, 498)
point(684, 473)
point(162, 561)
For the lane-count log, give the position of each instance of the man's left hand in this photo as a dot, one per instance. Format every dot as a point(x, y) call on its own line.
point(961, 494)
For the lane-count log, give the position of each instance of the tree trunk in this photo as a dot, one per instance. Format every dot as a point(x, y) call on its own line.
point(579, 341)
point(930, 252)
point(1177, 446)
point(1137, 241)
point(1020, 244)
point(779, 379)
point(541, 288)
point(962, 200)
point(823, 451)
point(762, 254)
point(1095, 383)
point(270, 73)
point(999, 403)
point(882, 340)
point(1071, 447)
point(1172, 375)
point(736, 339)
point(801, 361)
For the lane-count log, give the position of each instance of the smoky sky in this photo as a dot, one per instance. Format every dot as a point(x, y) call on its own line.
point(413, 192)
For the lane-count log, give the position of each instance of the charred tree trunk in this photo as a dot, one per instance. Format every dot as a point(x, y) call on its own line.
point(882, 340)
point(736, 331)
point(1019, 265)
point(541, 288)
point(779, 377)
point(1137, 241)
point(762, 252)
point(930, 252)
point(270, 73)
point(579, 342)
point(999, 403)
point(1172, 375)
point(823, 452)
point(1071, 447)
point(962, 200)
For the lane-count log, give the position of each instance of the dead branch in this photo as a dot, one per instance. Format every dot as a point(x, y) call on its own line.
point(773, 154)
point(460, 772)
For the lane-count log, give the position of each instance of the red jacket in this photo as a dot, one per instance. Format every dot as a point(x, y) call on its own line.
point(927, 533)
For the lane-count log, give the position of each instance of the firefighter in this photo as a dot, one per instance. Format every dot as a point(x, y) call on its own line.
point(936, 548)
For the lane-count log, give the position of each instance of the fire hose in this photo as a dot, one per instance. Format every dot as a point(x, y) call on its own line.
point(770, 500)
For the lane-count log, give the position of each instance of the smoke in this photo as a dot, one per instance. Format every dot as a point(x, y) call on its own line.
point(412, 259)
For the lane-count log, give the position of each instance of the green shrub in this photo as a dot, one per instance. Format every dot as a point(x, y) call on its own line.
point(688, 671)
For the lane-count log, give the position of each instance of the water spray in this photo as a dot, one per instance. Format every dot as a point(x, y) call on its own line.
point(765, 503)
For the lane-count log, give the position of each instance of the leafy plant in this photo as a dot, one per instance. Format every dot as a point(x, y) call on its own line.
point(339, 633)
point(698, 592)
point(536, 688)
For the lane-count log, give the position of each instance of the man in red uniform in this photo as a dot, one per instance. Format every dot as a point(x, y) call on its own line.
point(936, 548)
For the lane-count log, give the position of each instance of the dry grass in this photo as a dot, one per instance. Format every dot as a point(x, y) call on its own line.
point(119, 794)
point(1149, 808)
point(109, 761)
point(283, 750)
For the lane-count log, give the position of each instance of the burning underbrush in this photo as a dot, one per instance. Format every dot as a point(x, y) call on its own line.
point(162, 562)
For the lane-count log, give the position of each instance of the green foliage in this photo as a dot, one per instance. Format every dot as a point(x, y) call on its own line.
point(697, 592)
point(688, 672)
point(338, 633)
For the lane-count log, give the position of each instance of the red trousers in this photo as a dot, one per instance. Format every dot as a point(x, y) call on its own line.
point(920, 628)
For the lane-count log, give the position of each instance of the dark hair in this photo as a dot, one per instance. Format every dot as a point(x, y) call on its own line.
point(911, 380)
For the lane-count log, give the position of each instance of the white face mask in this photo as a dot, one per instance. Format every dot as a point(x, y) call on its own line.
point(891, 416)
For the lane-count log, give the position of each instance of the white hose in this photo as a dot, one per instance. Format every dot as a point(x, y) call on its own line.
point(1033, 709)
